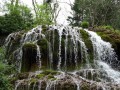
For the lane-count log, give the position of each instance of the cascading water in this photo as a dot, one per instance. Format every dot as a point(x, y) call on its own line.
point(63, 48)
point(102, 50)
point(38, 57)
point(103, 54)
point(60, 37)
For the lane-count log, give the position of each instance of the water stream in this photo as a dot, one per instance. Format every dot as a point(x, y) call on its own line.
point(70, 58)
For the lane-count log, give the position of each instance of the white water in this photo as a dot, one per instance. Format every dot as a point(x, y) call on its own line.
point(38, 57)
point(32, 35)
point(102, 50)
point(18, 83)
point(104, 55)
point(60, 30)
point(114, 75)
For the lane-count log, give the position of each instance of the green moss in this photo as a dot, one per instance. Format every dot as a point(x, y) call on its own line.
point(29, 62)
point(33, 80)
point(110, 36)
point(47, 73)
point(52, 72)
point(108, 27)
point(50, 76)
point(44, 28)
point(88, 44)
point(104, 36)
point(53, 79)
point(43, 43)
point(30, 45)
point(39, 76)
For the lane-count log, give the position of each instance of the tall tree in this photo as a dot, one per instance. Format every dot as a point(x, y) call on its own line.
point(102, 12)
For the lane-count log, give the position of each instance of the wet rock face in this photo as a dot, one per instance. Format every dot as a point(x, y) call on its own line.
point(55, 47)
point(62, 82)
point(47, 84)
point(29, 59)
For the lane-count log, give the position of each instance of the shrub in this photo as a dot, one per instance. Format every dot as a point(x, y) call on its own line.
point(5, 71)
point(85, 24)
point(4, 83)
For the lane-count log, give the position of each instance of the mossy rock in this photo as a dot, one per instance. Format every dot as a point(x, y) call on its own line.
point(88, 43)
point(85, 86)
point(44, 28)
point(29, 45)
point(29, 61)
point(33, 80)
point(40, 76)
point(43, 43)
point(67, 85)
point(50, 76)
point(104, 36)
point(21, 76)
point(52, 72)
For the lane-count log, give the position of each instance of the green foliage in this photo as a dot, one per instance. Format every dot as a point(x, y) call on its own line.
point(4, 83)
point(5, 70)
point(2, 54)
point(85, 24)
point(18, 17)
point(102, 12)
point(44, 14)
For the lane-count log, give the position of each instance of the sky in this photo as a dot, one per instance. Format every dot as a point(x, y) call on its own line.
point(64, 7)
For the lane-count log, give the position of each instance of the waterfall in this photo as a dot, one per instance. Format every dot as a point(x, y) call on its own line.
point(38, 57)
point(63, 49)
point(60, 37)
point(102, 50)
point(105, 56)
